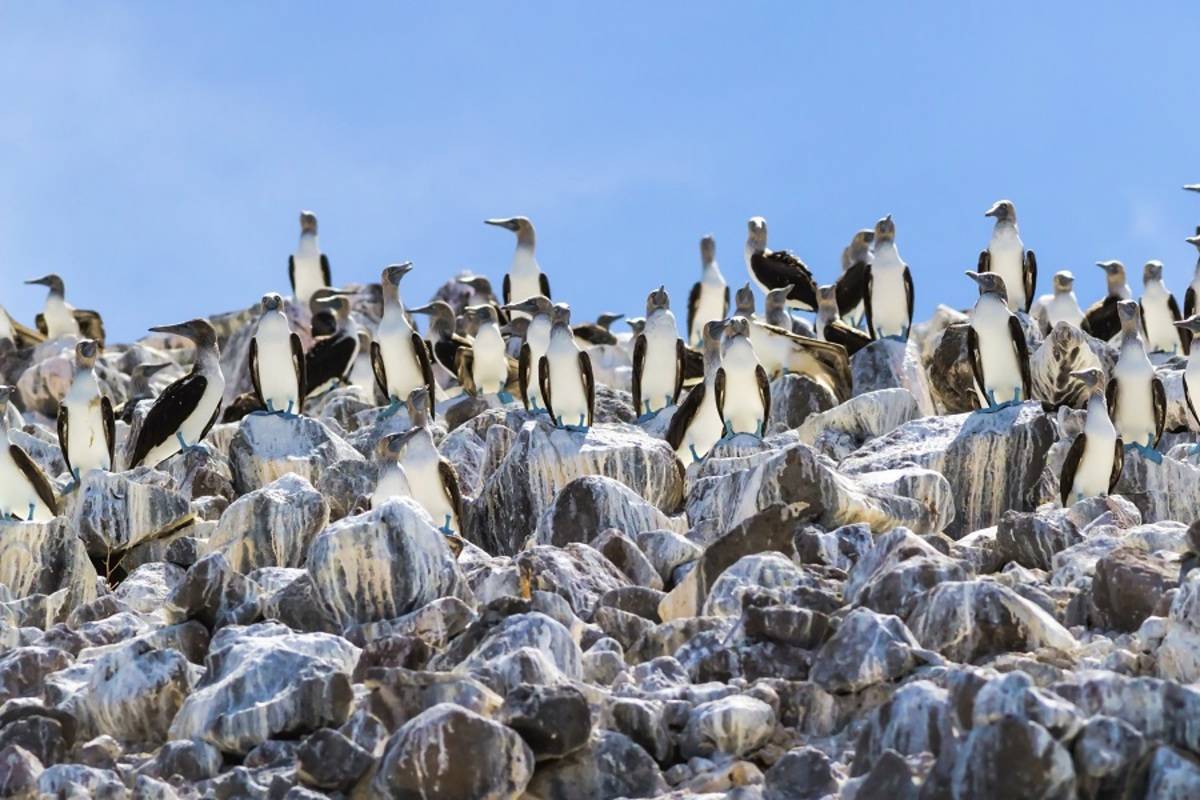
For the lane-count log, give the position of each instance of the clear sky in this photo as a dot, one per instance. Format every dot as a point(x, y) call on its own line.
point(156, 154)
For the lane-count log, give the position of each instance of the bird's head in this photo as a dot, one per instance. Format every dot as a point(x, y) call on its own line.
point(86, 352)
point(1092, 377)
point(708, 249)
point(534, 306)
point(657, 299)
point(272, 301)
point(1064, 281)
point(777, 298)
point(199, 331)
point(308, 222)
point(560, 314)
point(744, 300)
point(756, 233)
point(51, 282)
point(1153, 271)
point(989, 283)
point(1003, 211)
point(885, 230)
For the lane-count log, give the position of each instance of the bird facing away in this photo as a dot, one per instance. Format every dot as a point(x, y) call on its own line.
point(773, 269)
point(1101, 319)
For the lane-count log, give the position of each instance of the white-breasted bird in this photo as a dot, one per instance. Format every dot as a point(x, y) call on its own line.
point(996, 347)
point(524, 278)
point(277, 360)
point(743, 391)
point(308, 267)
point(696, 425)
point(565, 375)
point(1096, 457)
point(399, 354)
point(1137, 400)
point(483, 365)
point(1007, 257)
point(888, 297)
point(1191, 378)
point(86, 424)
point(1062, 306)
point(25, 491)
point(709, 298)
point(772, 269)
point(537, 339)
point(1160, 312)
point(432, 480)
point(658, 358)
point(59, 318)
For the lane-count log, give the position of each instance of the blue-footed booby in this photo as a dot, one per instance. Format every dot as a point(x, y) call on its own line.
point(658, 358)
point(432, 480)
point(1137, 401)
point(1160, 312)
point(996, 347)
point(773, 269)
point(399, 354)
point(565, 375)
point(277, 360)
point(697, 425)
point(524, 278)
point(888, 298)
point(308, 267)
point(1096, 457)
point(86, 425)
point(25, 491)
point(743, 392)
point(709, 298)
point(1007, 257)
point(59, 318)
point(1101, 319)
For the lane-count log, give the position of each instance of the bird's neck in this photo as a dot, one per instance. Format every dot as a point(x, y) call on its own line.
point(308, 245)
point(712, 272)
point(524, 262)
point(1118, 288)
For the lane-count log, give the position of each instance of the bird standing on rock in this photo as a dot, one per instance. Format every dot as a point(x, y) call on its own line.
point(1137, 401)
point(1097, 455)
point(524, 278)
point(308, 267)
point(432, 480)
point(398, 354)
point(331, 358)
point(25, 491)
point(565, 375)
point(1007, 257)
point(743, 392)
point(697, 425)
point(658, 358)
point(185, 412)
point(1060, 306)
point(86, 425)
point(996, 347)
point(1191, 377)
point(888, 299)
point(1160, 312)
point(709, 298)
point(483, 366)
point(773, 269)
point(277, 360)
point(1193, 291)
point(852, 285)
point(537, 310)
point(831, 328)
point(1101, 319)
point(59, 318)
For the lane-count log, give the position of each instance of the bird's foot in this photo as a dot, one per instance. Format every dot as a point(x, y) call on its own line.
point(582, 427)
point(29, 516)
point(897, 337)
point(446, 529)
point(726, 432)
point(1195, 451)
point(1150, 453)
point(761, 429)
point(649, 415)
point(696, 459)
point(391, 409)
point(287, 413)
point(183, 445)
point(1078, 496)
point(505, 397)
point(74, 482)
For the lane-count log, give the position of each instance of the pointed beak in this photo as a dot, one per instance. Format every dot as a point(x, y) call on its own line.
point(425, 309)
point(180, 329)
point(43, 281)
point(994, 211)
point(509, 223)
point(975, 276)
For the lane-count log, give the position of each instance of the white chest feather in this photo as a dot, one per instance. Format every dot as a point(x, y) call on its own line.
point(710, 306)
point(60, 318)
point(567, 393)
point(306, 269)
point(705, 429)
point(395, 337)
point(1063, 307)
point(1161, 333)
point(1007, 253)
point(524, 275)
point(16, 492)
point(421, 465)
point(276, 370)
point(87, 444)
point(1135, 399)
point(889, 296)
point(490, 364)
point(659, 366)
point(743, 407)
point(997, 354)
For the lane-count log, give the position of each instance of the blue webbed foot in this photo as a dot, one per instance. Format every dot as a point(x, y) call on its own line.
point(288, 411)
point(505, 397)
point(582, 427)
point(1195, 451)
point(1150, 453)
point(446, 529)
point(391, 409)
point(649, 415)
point(695, 456)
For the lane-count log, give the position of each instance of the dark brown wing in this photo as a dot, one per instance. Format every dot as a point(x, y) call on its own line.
point(1066, 478)
point(1160, 408)
point(37, 478)
point(253, 363)
point(40, 322)
point(1101, 319)
point(376, 367)
point(680, 360)
point(169, 411)
point(64, 427)
point(975, 361)
point(1111, 397)
point(985, 262)
point(780, 268)
point(851, 288)
point(325, 270)
point(908, 291)
point(445, 351)
point(1018, 336)
point(299, 366)
point(639, 360)
point(1187, 398)
point(693, 366)
point(523, 366)
point(292, 273)
point(418, 345)
point(589, 383)
point(110, 429)
point(693, 303)
point(764, 392)
point(684, 414)
point(1030, 276)
point(506, 289)
point(90, 324)
point(719, 390)
point(725, 310)
point(850, 338)
point(544, 282)
point(1185, 337)
point(1118, 465)
point(1142, 318)
point(544, 384)
point(449, 478)
point(1189, 302)
point(466, 370)
point(868, 307)
point(329, 359)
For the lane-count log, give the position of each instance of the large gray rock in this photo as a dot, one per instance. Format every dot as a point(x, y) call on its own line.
point(1012, 758)
point(48, 376)
point(416, 760)
point(950, 379)
point(553, 720)
point(543, 460)
point(383, 564)
point(734, 725)
point(264, 681)
point(917, 718)
point(794, 398)
point(577, 573)
point(591, 504)
point(886, 364)
point(1179, 653)
point(112, 512)
point(213, 593)
point(848, 426)
point(46, 558)
point(1065, 350)
point(272, 526)
point(611, 766)
point(897, 571)
point(992, 460)
point(200, 471)
point(514, 637)
point(1166, 491)
point(266, 447)
point(1128, 585)
point(867, 649)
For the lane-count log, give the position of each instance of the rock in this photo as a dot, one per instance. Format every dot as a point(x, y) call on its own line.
point(577, 573)
point(894, 574)
point(543, 460)
point(1105, 751)
point(553, 720)
point(45, 558)
point(272, 526)
point(48, 377)
point(885, 364)
point(801, 774)
point(610, 767)
point(1011, 758)
point(728, 492)
point(591, 504)
point(1179, 654)
point(794, 398)
point(734, 725)
point(201, 471)
point(968, 620)
point(263, 681)
point(112, 512)
point(1166, 491)
point(867, 649)
point(643, 721)
point(42, 736)
point(1065, 350)
point(992, 461)
point(133, 693)
point(1127, 586)
point(918, 718)
point(1033, 539)
point(626, 556)
point(521, 632)
point(415, 762)
point(266, 447)
point(1172, 774)
point(759, 573)
point(847, 427)
point(786, 624)
point(214, 594)
point(950, 380)
point(383, 564)
point(189, 759)
point(667, 550)
point(76, 780)
point(146, 589)
point(890, 777)
point(19, 771)
point(23, 670)
point(345, 484)
point(329, 760)
point(297, 604)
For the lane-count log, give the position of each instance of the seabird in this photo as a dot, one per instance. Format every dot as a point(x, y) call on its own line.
point(1137, 401)
point(1101, 319)
point(537, 340)
point(775, 312)
point(432, 480)
point(277, 360)
point(362, 374)
point(658, 358)
point(1191, 376)
point(696, 425)
point(86, 425)
point(139, 388)
point(524, 278)
point(482, 294)
point(392, 482)
point(888, 298)
point(565, 375)
point(323, 322)
point(996, 347)
point(852, 285)
point(773, 269)
point(636, 324)
point(398, 353)
point(1007, 257)
point(709, 299)
point(1193, 290)
point(598, 333)
point(444, 342)
point(8, 334)
point(1062, 305)
point(1160, 312)
point(186, 410)
point(1096, 457)
point(25, 491)
point(483, 365)
point(743, 391)
point(830, 326)
point(308, 267)
point(59, 318)
point(329, 361)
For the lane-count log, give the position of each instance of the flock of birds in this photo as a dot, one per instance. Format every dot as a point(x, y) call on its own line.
point(524, 343)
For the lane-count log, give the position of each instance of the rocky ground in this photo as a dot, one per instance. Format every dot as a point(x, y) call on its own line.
point(883, 599)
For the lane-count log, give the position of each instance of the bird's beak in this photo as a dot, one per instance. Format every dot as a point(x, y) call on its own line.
point(975, 276)
point(425, 309)
point(994, 211)
point(43, 281)
point(525, 306)
point(1193, 240)
point(183, 329)
point(509, 223)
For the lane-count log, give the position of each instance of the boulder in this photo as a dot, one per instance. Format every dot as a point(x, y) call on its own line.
point(553, 720)
point(1179, 653)
point(112, 512)
point(133, 693)
point(918, 718)
point(328, 759)
point(577, 573)
point(200, 471)
point(272, 526)
point(591, 504)
point(867, 649)
point(46, 558)
point(1166, 491)
point(610, 766)
point(734, 725)
point(1012, 758)
point(1128, 584)
point(845, 428)
point(886, 364)
point(213, 593)
point(268, 446)
point(796, 397)
point(801, 774)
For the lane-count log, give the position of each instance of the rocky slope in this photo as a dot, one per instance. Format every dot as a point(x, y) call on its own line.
point(883, 600)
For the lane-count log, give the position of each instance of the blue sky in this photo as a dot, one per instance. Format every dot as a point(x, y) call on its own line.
point(156, 155)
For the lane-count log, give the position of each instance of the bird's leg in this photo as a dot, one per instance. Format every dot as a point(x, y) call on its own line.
point(992, 407)
point(31, 509)
point(761, 429)
point(1016, 396)
point(291, 405)
point(583, 423)
point(183, 445)
point(667, 401)
point(504, 396)
point(271, 407)
point(446, 529)
point(392, 408)
point(558, 423)
point(695, 456)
